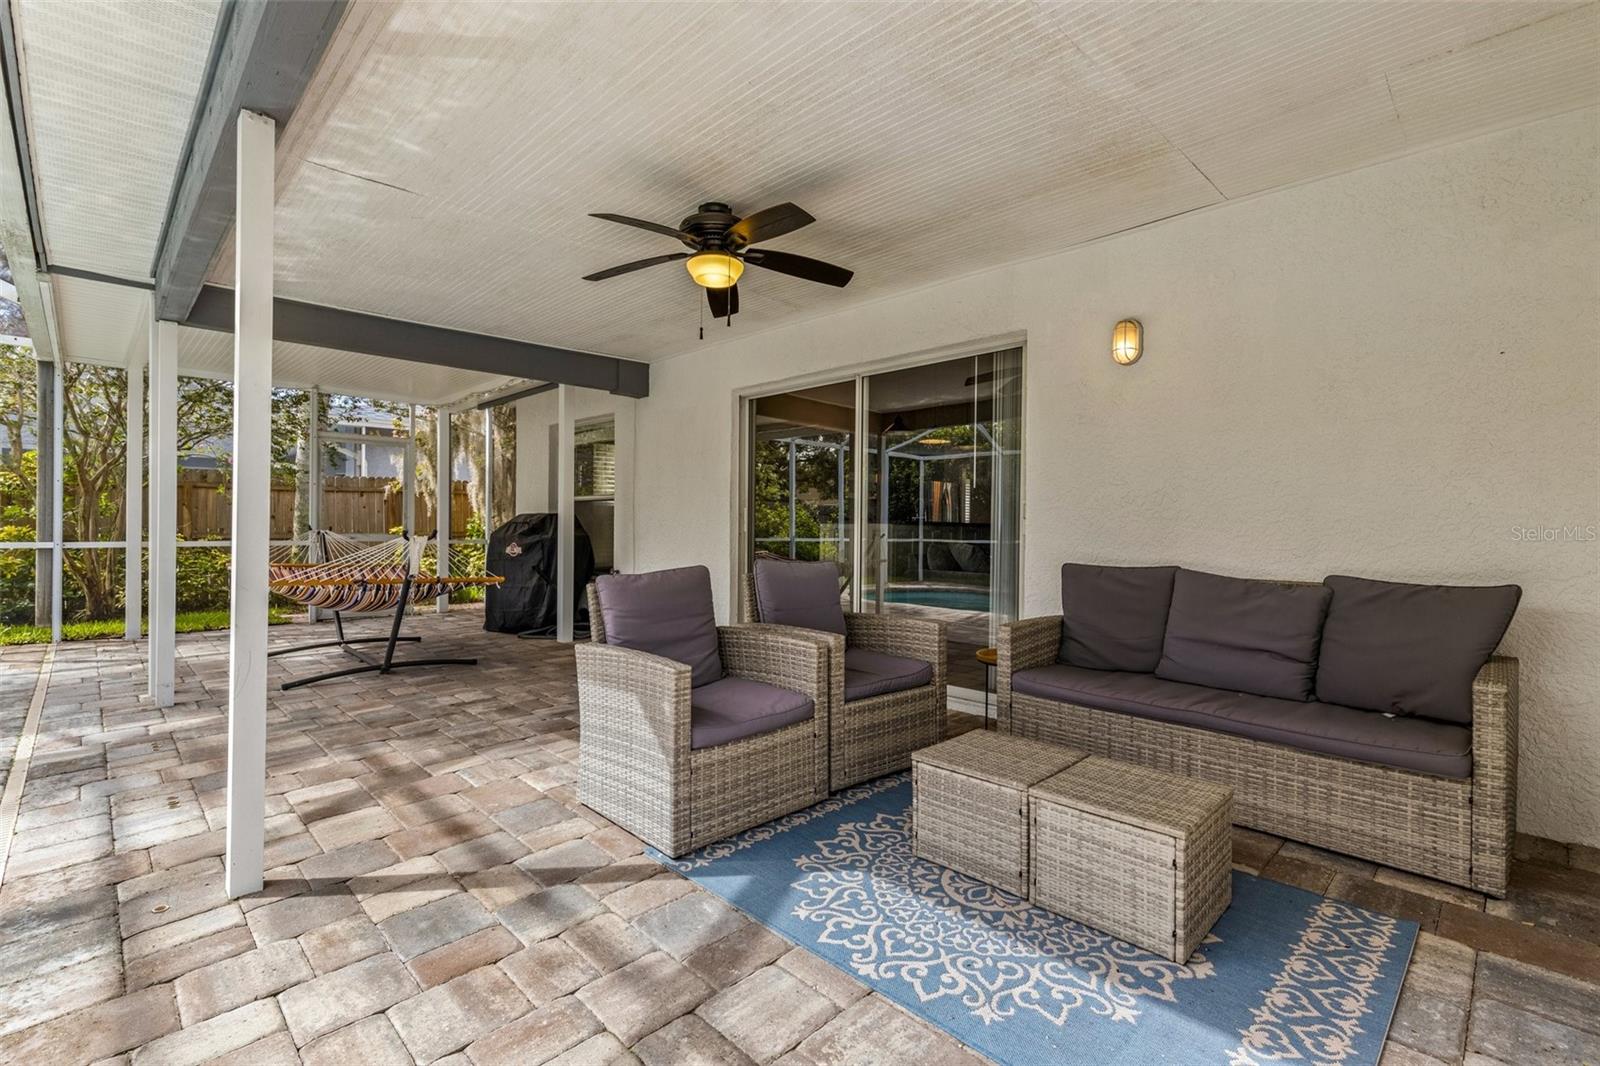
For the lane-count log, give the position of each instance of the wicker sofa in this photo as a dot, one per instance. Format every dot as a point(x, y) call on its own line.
point(1387, 787)
point(652, 760)
point(886, 675)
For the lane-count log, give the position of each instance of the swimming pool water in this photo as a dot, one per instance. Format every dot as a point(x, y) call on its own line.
point(954, 598)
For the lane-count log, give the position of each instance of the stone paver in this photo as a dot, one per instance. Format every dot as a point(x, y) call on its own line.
point(451, 960)
point(607, 942)
point(644, 995)
point(737, 955)
point(213, 1037)
point(371, 1040)
point(873, 1030)
point(222, 986)
point(333, 1000)
point(96, 1032)
point(548, 970)
point(340, 943)
point(288, 918)
point(548, 913)
point(768, 1012)
point(274, 1049)
point(454, 1014)
point(444, 921)
point(538, 1036)
point(688, 924)
point(520, 927)
point(689, 1039)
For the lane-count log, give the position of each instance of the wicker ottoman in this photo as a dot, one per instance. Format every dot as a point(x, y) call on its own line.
point(969, 806)
point(1141, 854)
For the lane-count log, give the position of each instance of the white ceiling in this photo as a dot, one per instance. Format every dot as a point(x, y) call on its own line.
point(444, 161)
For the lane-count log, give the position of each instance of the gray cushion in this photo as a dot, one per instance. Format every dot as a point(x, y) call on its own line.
point(736, 707)
point(1417, 744)
point(1114, 617)
point(872, 673)
point(667, 613)
point(794, 593)
point(1249, 636)
point(1410, 649)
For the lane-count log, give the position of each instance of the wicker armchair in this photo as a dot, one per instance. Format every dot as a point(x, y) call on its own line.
point(875, 735)
point(636, 763)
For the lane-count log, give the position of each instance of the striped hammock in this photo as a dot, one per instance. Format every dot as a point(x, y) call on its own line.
point(355, 575)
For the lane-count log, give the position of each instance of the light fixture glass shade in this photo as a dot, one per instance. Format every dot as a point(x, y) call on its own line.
point(715, 270)
point(1127, 341)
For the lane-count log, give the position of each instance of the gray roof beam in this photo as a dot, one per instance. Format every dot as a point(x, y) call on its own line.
point(355, 331)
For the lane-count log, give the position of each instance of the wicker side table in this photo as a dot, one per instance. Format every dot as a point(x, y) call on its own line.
point(1139, 853)
point(970, 803)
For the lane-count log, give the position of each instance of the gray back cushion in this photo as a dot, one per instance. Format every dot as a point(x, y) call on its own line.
point(794, 593)
point(1410, 649)
point(1245, 636)
point(667, 613)
point(1114, 617)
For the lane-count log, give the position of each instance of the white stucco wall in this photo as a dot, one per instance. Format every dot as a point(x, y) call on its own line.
point(1391, 373)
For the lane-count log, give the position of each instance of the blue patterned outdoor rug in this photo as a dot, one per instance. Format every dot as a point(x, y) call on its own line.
point(1285, 975)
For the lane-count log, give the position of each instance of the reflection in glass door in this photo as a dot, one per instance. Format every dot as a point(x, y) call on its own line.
point(940, 473)
point(942, 514)
point(801, 471)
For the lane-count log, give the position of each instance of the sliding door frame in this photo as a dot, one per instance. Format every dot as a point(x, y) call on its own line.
point(744, 438)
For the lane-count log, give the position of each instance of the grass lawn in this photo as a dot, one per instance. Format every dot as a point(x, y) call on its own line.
point(188, 622)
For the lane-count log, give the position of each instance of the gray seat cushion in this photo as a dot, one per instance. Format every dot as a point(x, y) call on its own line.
point(1410, 649)
point(1409, 743)
point(872, 673)
point(736, 707)
point(1114, 617)
point(667, 613)
point(794, 593)
point(1259, 637)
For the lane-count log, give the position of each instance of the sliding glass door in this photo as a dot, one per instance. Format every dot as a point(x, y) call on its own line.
point(798, 501)
point(939, 513)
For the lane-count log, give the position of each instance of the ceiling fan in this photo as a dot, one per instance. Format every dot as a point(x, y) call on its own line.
point(719, 245)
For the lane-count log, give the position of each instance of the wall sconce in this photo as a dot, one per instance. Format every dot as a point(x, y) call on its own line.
point(1127, 341)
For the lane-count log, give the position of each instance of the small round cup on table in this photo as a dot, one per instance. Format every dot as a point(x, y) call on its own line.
point(988, 657)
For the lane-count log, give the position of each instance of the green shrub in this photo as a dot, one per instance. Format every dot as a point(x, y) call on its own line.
point(187, 622)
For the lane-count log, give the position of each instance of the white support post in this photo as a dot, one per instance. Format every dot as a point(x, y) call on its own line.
point(487, 414)
point(443, 485)
point(133, 504)
point(622, 523)
point(163, 507)
point(59, 406)
point(566, 513)
point(252, 492)
point(408, 502)
point(314, 489)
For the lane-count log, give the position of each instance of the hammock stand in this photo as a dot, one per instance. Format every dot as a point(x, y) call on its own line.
point(365, 579)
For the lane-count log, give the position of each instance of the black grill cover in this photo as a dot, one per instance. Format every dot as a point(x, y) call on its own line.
point(523, 551)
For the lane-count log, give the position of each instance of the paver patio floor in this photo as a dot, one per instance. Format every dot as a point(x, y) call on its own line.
point(437, 894)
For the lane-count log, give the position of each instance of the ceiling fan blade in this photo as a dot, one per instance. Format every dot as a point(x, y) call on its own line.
point(799, 266)
point(724, 302)
point(653, 227)
point(640, 264)
point(767, 224)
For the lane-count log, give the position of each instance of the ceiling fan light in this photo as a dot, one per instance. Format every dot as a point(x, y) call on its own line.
point(715, 270)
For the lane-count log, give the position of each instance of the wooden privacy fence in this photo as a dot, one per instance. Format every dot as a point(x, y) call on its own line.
point(349, 505)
